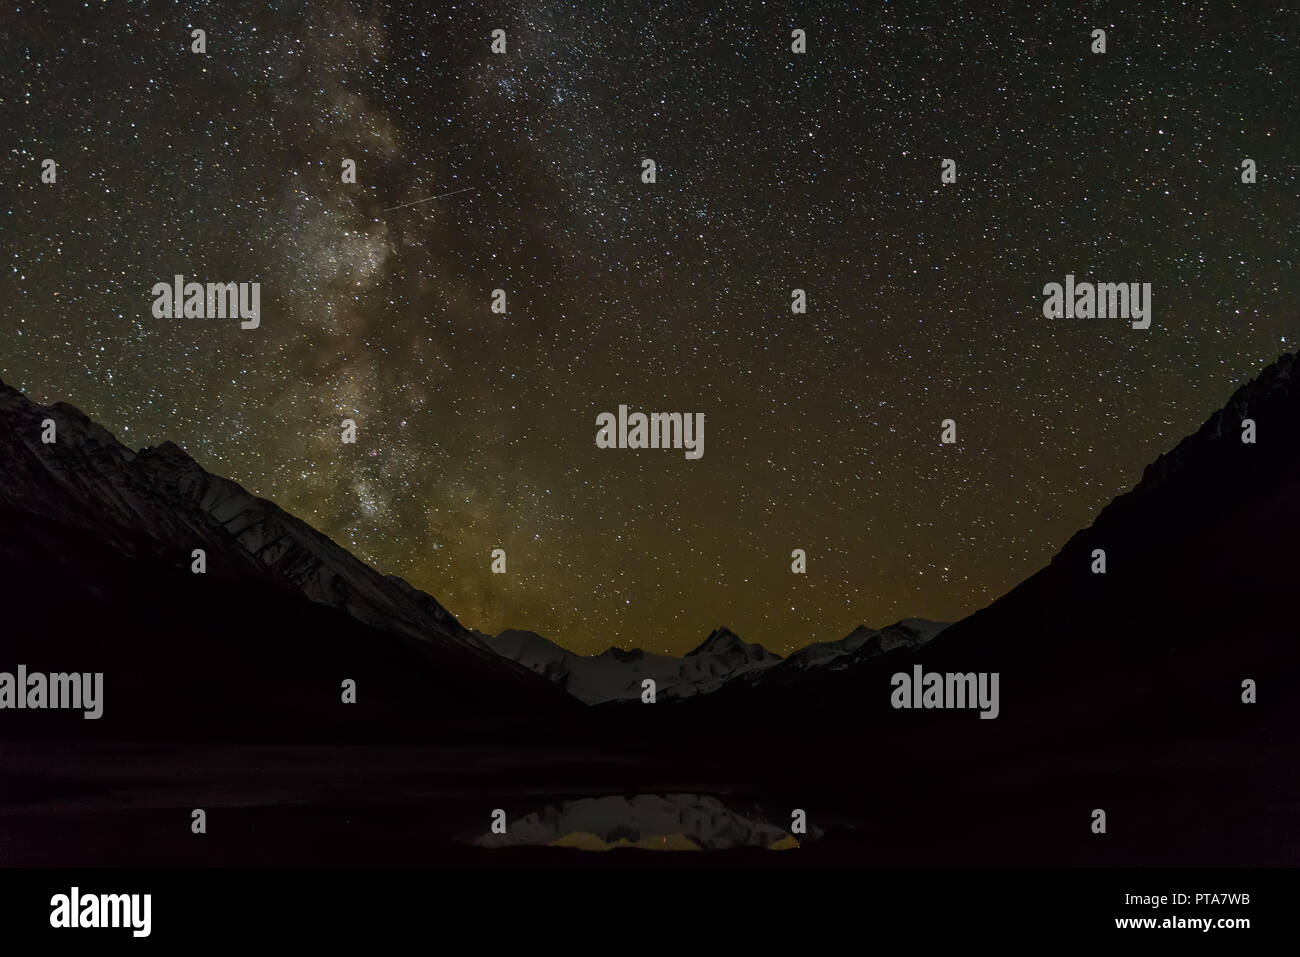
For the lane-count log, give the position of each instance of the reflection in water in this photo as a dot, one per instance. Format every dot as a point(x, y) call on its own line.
point(654, 822)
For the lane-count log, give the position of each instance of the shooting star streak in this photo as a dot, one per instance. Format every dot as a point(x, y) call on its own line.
point(427, 199)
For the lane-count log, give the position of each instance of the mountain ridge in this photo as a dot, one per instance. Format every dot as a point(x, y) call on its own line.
point(1202, 545)
point(162, 491)
point(616, 674)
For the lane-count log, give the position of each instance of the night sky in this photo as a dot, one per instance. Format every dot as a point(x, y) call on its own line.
point(775, 171)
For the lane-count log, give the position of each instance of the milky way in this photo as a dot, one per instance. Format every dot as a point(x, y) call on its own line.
point(775, 171)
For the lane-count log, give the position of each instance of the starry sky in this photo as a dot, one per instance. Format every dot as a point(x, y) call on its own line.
point(775, 171)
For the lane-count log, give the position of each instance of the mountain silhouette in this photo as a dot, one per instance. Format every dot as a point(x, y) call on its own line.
point(96, 563)
point(1195, 598)
point(1162, 691)
point(617, 674)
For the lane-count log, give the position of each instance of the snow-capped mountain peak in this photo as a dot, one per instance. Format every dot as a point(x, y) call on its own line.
point(161, 502)
point(618, 675)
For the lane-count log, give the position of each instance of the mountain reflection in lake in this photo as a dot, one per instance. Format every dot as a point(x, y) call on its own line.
point(669, 822)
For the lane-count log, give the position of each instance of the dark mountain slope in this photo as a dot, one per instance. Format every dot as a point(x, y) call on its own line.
point(1120, 692)
point(1199, 594)
point(95, 546)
